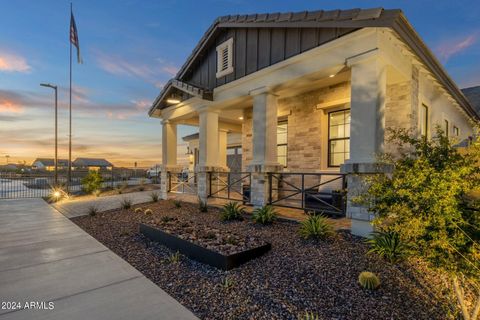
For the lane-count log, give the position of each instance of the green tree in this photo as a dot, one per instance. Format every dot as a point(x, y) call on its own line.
point(429, 200)
point(92, 181)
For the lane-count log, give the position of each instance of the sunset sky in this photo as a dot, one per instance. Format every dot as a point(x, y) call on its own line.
point(131, 48)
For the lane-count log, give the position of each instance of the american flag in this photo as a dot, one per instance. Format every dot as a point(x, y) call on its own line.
point(74, 37)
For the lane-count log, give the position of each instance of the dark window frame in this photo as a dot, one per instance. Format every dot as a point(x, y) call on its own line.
point(329, 152)
point(279, 122)
point(447, 127)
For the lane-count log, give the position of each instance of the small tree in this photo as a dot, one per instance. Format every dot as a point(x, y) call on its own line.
point(427, 201)
point(92, 181)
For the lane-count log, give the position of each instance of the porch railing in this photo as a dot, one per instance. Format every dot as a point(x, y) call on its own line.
point(230, 185)
point(311, 192)
point(182, 182)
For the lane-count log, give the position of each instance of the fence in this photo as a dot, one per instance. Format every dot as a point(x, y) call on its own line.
point(39, 183)
point(230, 185)
point(183, 182)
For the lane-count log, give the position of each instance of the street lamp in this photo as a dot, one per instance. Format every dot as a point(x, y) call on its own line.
point(48, 85)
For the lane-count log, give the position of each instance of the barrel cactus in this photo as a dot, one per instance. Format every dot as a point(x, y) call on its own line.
point(368, 280)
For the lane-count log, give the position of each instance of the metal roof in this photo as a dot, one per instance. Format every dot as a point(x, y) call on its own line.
point(352, 18)
point(473, 95)
point(51, 162)
point(91, 162)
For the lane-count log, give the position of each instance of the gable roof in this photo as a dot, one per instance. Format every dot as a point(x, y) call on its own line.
point(48, 162)
point(352, 18)
point(91, 162)
point(473, 95)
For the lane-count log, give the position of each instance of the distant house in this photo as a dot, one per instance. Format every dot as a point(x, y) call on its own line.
point(92, 164)
point(48, 164)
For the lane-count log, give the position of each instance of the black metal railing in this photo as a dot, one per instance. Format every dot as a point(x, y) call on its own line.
point(311, 192)
point(230, 185)
point(183, 182)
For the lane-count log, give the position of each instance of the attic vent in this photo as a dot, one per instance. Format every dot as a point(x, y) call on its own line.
point(225, 58)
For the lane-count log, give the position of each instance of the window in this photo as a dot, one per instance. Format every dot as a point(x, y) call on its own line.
point(225, 58)
point(456, 131)
point(423, 120)
point(445, 123)
point(282, 147)
point(338, 137)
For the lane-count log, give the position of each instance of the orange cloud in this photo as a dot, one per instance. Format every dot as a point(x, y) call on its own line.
point(449, 48)
point(13, 63)
point(10, 106)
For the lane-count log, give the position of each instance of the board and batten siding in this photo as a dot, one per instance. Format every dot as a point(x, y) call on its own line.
point(258, 48)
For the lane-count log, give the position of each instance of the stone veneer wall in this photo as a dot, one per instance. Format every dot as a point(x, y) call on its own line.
point(304, 127)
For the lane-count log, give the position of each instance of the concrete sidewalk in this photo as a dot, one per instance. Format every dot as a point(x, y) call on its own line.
point(80, 207)
point(44, 257)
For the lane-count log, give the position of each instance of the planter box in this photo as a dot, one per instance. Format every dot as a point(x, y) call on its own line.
point(202, 254)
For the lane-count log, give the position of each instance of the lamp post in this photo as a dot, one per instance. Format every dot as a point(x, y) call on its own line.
point(48, 85)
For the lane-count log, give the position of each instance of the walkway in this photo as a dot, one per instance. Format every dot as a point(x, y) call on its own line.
point(44, 257)
point(80, 207)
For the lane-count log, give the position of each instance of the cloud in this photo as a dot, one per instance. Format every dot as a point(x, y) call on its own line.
point(452, 47)
point(7, 106)
point(149, 72)
point(10, 62)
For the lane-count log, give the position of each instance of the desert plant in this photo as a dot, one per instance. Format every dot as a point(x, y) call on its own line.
point(148, 211)
point(264, 215)
point(232, 211)
point(316, 227)
point(368, 280)
point(166, 219)
point(92, 181)
point(92, 210)
point(142, 184)
point(387, 245)
point(227, 283)
point(138, 210)
point(126, 203)
point(232, 241)
point(177, 203)
point(154, 196)
point(97, 192)
point(210, 235)
point(308, 316)
point(174, 258)
point(202, 205)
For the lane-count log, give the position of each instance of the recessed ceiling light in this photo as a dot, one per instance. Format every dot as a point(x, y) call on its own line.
point(173, 100)
point(332, 75)
point(240, 118)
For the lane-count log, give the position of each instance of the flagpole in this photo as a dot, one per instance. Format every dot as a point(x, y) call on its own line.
point(70, 112)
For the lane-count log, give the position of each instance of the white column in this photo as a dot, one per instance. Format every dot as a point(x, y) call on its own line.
point(264, 127)
point(169, 143)
point(222, 148)
point(368, 98)
point(208, 140)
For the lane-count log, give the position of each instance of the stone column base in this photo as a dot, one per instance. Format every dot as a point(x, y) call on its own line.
point(360, 217)
point(260, 184)
point(165, 179)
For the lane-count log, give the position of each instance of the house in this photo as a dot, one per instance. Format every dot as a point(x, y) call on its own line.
point(231, 157)
point(91, 164)
point(49, 164)
point(311, 93)
point(473, 95)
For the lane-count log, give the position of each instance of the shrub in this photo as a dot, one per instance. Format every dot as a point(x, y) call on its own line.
point(232, 211)
point(142, 184)
point(387, 245)
point(148, 211)
point(308, 316)
point(228, 283)
point(97, 192)
point(92, 211)
point(166, 219)
point(121, 187)
point(126, 203)
point(316, 227)
point(368, 280)
point(138, 210)
point(177, 203)
point(264, 215)
point(92, 181)
point(174, 258)
point(202, 205)
point(154, 196)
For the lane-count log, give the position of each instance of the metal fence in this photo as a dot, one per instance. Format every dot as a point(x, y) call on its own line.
point(39, 183)
point(230, 185)
point(182, 182)
point(312, 192)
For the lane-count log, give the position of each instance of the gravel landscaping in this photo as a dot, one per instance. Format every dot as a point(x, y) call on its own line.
point(294, 277)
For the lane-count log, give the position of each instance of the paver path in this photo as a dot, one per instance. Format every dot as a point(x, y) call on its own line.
point(44, 257)
point(81, 206)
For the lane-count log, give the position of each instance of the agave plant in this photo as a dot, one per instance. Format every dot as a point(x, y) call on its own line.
point(232, 211)
point(154, 196)
point(264, 215)
point(126, 203)
point(387, 245)
point(316, 227)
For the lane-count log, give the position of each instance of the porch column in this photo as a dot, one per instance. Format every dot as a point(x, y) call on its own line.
point(367, 128)
point(209, 140)
point(264, 144)
point(169, 155)
point(222, 148)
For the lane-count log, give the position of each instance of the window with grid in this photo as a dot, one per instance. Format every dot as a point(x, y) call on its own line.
point(456, 131)
point(338, 137)
point(282, 146)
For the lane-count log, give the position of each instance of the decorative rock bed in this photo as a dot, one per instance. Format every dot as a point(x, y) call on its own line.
point(214, 247)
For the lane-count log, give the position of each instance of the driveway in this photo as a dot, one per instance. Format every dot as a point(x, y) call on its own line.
point(59, 271)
